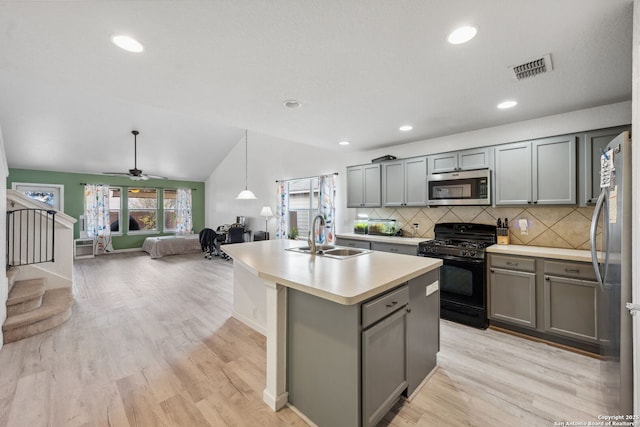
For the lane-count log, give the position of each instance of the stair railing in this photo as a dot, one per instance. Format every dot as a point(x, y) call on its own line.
point(30, 236)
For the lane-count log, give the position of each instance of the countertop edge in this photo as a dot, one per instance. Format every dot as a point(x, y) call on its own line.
point(579, 255)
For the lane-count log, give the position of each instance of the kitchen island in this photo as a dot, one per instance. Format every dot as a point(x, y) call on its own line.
point(316, 338)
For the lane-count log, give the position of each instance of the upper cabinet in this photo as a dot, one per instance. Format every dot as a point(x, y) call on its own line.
point(536, 172)
point(476, 158)
point(404, 182)
point(363, 186)
point(591, 146)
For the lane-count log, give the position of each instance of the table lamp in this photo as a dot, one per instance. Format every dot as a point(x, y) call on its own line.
point(266, 213)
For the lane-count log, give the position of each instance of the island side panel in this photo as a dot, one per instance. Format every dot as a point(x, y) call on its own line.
point(423, 328)
point(323, 359)
point(249, 299)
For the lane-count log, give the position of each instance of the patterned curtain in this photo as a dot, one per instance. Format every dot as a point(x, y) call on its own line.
point(96, 202)
point(327, 207)
point(282, 211)
point(184, 224)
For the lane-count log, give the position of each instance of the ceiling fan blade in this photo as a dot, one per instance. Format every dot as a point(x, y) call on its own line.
point(116, 173)
point(155, 176)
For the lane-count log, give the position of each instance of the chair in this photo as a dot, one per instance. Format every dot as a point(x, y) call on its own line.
point(210, 242)
point(260, 235)
point(235, 234)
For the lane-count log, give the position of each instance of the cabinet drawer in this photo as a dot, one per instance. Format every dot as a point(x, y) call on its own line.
point(513, 263)
point(375, 310)
point(395, 248)
point(353, 243)
point(568, 269)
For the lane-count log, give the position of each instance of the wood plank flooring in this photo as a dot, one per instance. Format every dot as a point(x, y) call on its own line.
point(152, 343)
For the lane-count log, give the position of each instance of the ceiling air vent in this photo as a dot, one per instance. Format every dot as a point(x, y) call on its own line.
point(533, 68)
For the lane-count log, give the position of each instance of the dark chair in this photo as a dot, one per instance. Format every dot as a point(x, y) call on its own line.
point(209, 242)
point(260, 235)
point(235, 234)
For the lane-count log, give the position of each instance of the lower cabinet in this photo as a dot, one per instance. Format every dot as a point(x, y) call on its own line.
point(513, 292)
point(395, 248)
point(551, 299)
point(353, 243)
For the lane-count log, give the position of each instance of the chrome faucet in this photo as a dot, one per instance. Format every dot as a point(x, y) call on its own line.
point(312, 233)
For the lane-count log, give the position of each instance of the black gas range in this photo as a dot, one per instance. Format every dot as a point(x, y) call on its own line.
point(463, 276)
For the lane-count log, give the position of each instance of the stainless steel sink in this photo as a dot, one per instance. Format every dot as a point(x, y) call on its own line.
point(330, 251)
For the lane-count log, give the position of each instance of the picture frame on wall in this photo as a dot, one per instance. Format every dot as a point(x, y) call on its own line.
point(51, 194)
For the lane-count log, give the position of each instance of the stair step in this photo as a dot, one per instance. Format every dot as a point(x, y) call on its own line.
point(55, 310)
point(25, 290)
point(12, 275)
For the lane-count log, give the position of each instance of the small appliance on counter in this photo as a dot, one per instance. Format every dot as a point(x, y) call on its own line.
point(382, 227)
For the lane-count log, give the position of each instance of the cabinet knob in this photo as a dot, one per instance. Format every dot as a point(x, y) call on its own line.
point(535, 203)
point(572, 270)
point(392, 304)
point(512, 263)
point(547, 278)
point(492, 270)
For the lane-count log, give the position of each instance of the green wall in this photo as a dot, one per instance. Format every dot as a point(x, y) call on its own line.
point(74, 196)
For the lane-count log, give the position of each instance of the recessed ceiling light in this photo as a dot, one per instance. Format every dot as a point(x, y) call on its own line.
point(344, 143)
point(462, 35)
point(405, 128)
point(507, 104)
point(127, 43)
point(292, 103)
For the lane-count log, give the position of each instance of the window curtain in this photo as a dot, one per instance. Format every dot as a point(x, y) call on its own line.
point(327, 207)
point(96, 202)
point(282, 211)
point(184, 224)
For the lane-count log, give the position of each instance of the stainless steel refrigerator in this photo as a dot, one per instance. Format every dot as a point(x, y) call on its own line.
point(611, 256)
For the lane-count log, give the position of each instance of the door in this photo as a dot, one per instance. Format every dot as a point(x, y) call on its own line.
point(513, 174)
point(513, 297)
point(594, 143)
point(393, 183)
point(355, 186)
point(415, 188)
point(372, 196)
point(554, 171)
point(444, 162)
point(476, 158)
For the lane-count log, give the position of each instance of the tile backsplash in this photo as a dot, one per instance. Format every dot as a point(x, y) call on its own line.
point(558, 227)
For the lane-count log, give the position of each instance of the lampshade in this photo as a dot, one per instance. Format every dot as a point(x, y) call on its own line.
point(266, 211)
point(246, 194)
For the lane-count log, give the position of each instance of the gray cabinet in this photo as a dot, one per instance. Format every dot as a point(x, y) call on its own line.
point(404, 182)
point(571, 299)
point(363, 186)
point(353, 243)
point(536, 172)
point(395, 248)
point(589, 166)
point(476, 158)
point(512, 290)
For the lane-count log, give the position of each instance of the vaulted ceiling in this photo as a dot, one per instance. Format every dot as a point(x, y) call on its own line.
point(69, 97)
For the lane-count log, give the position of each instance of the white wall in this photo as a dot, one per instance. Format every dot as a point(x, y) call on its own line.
point(4, 286)
point(273, 158)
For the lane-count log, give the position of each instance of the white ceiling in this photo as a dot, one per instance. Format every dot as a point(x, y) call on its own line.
point(69, 98)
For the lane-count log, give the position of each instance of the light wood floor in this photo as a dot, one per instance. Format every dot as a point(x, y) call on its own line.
point(152, 343)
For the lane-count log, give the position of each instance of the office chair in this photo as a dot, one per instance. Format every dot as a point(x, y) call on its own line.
point(235, 234)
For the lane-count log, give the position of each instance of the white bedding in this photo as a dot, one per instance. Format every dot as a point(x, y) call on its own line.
point(158, 247)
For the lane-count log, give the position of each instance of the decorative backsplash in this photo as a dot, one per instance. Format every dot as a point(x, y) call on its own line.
point(557, 227)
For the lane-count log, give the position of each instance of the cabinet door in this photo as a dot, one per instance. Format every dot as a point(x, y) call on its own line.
point(443, 162)
point(415, 188)
point(393, 183)
point(513, 174)
point(554, 173)
point(594, 142)
point(372, 197)
point(355, 186)
point(571, 308)
point(384, 366)
point(513, 297)
point(476, 158)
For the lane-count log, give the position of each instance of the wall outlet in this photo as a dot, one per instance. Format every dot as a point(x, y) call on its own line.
point(416, 225)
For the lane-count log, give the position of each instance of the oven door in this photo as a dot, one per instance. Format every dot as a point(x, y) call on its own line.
point(462, 280)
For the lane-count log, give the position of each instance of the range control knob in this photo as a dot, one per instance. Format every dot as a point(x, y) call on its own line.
point(473, 253)
point(464, 252)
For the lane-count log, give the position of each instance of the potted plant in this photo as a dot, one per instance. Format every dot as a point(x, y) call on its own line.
point(293, 233)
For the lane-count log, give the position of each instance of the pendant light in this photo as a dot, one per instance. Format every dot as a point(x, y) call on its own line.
point(246, 194)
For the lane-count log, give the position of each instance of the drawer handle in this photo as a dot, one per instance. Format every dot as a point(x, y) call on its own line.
point(393, 250)
point(511, 263)
point(572, 270)
point(392, 304)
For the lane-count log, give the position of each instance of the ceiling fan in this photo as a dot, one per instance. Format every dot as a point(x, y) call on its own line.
point(135, 174)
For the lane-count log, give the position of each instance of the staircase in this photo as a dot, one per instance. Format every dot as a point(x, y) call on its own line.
point(32, 309)
point(40, 290)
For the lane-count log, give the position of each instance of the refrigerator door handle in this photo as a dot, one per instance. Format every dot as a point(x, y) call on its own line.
point(600, 205)
point(633, 308)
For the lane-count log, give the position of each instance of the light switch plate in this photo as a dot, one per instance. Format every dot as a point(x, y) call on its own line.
point(433, 287)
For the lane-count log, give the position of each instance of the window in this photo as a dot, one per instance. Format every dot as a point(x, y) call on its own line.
point(303, 204)
point(51, 194)
point(143, 209)
point(170, 209)
point(115, 209)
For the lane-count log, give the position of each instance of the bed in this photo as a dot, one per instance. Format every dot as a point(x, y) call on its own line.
point(157, 247)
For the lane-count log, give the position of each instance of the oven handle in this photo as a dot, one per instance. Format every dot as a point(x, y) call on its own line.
point(455, 258)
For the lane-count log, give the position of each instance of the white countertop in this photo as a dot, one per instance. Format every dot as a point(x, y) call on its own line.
point(412, 241)
point(345, 281)
point(542, 252)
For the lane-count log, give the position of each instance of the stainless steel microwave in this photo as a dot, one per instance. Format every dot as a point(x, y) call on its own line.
point(459, 188)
